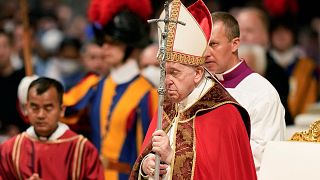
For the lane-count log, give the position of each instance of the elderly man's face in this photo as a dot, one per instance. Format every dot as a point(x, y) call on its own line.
point(180, 80)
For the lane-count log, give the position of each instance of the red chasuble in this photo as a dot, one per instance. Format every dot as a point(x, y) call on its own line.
point(212, 141)
point(70, 157)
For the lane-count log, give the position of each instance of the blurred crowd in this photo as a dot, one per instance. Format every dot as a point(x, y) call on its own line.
point(279, 41)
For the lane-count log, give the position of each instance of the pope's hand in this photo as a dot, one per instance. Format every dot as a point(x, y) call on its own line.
point(148, 166)
point(161, 146)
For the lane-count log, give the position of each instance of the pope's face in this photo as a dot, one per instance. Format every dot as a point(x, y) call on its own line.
point(44, 110)
point(180, 81)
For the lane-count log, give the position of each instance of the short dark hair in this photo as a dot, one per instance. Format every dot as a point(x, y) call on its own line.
point(230, 23)
point(70, 42)
point(42, 84)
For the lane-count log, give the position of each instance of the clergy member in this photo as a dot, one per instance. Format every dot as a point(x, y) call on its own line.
point(255, 93)
point(48, 149)
point(205, 132)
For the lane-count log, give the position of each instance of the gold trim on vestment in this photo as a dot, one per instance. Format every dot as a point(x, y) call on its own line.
point(205, 109)
point(173, 144)
point(16, 154)
point(52, 141)
point(15, 144)
point(83, 141)
point(194, 151)
point(184, 152)
point(75, 158)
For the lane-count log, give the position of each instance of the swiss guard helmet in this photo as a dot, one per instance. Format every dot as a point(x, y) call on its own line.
point(120, 21)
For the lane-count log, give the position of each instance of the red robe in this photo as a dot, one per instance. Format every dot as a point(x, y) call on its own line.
point(69, 157)
point(213, 145)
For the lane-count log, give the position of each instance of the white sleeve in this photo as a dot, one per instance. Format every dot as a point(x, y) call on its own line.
point(267, 124)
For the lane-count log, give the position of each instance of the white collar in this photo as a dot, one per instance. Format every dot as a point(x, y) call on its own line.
point(62, 128)
point(284, 59)
point(125, 72)
point(197, 93)
point(220, 76)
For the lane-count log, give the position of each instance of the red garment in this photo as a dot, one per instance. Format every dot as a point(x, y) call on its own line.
point(222, 146)
point(70, 157)
point(281, 7)
point(217, 135)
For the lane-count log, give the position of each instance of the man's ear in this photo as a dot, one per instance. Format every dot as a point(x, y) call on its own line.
point(63, 109)
point(235, 44)
point(199, 70)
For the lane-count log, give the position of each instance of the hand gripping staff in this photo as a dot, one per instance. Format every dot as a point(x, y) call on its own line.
point(162, 61)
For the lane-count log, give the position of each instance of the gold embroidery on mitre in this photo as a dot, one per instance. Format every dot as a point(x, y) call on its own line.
point(185, 58)
point(174, 14)
point(176, 56)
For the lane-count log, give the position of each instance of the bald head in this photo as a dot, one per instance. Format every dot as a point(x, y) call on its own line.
point(254, 25)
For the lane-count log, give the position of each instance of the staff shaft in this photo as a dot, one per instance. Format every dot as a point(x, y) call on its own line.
point(161, 89)
point(26, 38)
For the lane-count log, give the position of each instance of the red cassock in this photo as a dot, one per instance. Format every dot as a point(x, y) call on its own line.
point(213, 145)
point(222, 146)
point(69, 157)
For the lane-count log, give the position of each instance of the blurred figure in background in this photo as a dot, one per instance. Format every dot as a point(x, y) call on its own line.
point(46, 49)
point(18, 41)
point(66, 67)
point(149, 64)
point(47, 37)
point(254, 29)
point(254, 55)
point(121, 104)
point(95, 68)
point(92, 59)
point(300, 68)
point(9, 80)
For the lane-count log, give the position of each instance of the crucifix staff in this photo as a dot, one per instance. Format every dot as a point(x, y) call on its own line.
point(162, 61)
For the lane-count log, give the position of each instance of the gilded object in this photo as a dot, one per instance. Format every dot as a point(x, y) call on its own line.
point(311, 135)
